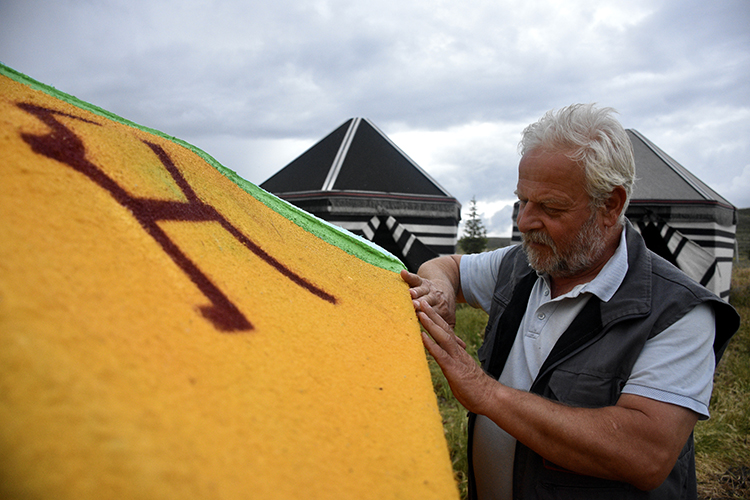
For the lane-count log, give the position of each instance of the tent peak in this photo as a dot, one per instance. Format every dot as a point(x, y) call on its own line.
point(356, 156)
point(661, 177)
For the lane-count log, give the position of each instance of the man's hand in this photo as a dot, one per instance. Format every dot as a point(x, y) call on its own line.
point(438, 294)
point(469, 383)
point(438, 283)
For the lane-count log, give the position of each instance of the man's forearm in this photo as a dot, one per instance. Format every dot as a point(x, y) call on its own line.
point(637, 441)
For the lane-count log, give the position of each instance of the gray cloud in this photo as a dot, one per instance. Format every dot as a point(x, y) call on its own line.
point(255, 83)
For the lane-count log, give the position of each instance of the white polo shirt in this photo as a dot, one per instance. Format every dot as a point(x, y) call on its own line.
point(675, 367)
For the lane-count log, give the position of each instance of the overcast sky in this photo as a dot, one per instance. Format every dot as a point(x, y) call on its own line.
point(255, 83)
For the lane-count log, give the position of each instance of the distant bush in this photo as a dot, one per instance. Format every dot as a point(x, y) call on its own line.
point(474, 239)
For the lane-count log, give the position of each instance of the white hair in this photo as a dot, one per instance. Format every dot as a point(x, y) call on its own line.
point(594, 139)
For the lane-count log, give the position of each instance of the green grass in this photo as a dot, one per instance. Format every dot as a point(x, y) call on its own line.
point(470, 325)
point(722, 442)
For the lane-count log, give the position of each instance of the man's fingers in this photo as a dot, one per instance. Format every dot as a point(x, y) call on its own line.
point(434, 316)
point(438, 329)
point(408, 277)
point(461, 342)
point(413, 280)
point(432, 347)
point(439, 342)
point(416, 284)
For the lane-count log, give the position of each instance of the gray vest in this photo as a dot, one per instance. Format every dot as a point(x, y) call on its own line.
point(592, 360)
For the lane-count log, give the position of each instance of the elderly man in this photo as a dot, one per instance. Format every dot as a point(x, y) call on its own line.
point(598, 355)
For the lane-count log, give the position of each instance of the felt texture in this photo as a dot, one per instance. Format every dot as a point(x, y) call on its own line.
point(164, 333)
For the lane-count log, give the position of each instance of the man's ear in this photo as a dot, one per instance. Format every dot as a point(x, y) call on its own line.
point(614, 206)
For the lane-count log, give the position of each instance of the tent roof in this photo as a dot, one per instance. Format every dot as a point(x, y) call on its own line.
point(356, 157)
point(659, 177)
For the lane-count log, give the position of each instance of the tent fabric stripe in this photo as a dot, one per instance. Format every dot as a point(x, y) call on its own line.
point(338, 161)
point(373, 163)
point(367, 229)
point(308, 172)
point(706, 279)
point(692, 231)
point(403, 237)
point(435, 226)
point(686, 254)
point(413, 250)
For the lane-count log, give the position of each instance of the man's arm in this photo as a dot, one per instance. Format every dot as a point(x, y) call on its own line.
point(438, 281)
point(636, 441)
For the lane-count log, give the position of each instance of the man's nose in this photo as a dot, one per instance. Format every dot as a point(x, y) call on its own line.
point(528, 217)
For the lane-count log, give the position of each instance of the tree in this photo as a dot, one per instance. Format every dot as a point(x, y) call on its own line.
point(474, 239)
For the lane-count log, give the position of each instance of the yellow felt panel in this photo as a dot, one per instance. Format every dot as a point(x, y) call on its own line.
point(164, 334)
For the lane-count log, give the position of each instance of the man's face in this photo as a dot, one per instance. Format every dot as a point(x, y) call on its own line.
point(562, 236)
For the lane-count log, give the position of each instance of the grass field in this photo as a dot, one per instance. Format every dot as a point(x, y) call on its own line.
point(722, 442)
point(722, 445)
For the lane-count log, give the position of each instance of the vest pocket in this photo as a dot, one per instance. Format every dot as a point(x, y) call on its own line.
point(619, 491)
point(555, 482)
point(587, 390)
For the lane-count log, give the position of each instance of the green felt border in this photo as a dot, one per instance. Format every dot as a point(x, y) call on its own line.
point(348, 242)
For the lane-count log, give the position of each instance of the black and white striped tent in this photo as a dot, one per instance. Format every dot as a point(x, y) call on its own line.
point(358, 179)
point(680, 217)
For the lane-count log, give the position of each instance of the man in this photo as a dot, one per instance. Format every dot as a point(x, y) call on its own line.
point(598, 356)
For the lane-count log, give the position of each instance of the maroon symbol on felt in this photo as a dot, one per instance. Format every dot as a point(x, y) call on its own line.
point(63, 145)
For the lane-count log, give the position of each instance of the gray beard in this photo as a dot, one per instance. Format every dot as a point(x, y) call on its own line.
point(581, 255)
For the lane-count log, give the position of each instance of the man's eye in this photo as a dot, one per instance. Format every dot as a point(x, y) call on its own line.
point(552, 210)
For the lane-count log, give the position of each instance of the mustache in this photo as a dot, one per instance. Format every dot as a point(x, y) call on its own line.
point(536, 236)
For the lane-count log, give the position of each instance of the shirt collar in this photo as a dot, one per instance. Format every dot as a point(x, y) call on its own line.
point(609, 279)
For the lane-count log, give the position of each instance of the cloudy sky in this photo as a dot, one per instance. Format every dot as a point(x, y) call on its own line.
point(256, 82)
